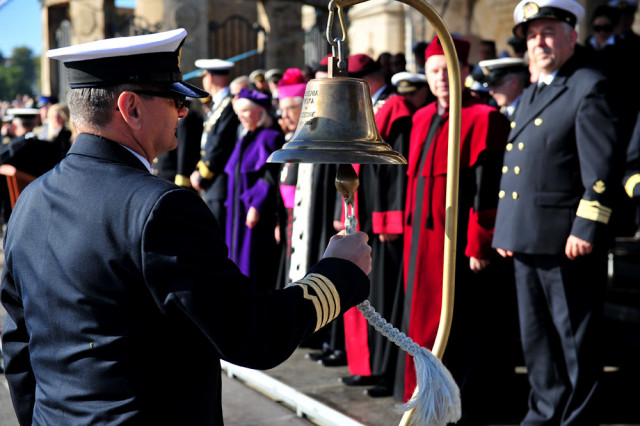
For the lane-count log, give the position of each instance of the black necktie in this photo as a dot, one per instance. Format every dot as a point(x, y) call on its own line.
point(539, 87)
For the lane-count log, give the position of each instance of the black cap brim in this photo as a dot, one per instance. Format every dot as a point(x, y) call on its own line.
point(189, 90)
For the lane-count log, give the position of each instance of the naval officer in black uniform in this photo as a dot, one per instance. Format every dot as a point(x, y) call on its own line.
point(218, 138)
point(121, 299)
point(505, 78)
point(556, 193)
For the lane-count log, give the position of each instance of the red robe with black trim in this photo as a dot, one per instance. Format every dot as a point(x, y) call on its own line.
point(379, 209)
point(483, 137)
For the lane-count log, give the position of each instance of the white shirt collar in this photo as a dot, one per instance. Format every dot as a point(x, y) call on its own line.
point(511, 108)
point(218, 97)
point(140, 157)
point(547, 79)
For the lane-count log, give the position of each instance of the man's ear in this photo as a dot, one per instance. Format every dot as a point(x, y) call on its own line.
point(573, 38)
point(129, 107)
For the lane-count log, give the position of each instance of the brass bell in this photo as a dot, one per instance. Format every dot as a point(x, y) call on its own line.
point(337, 126)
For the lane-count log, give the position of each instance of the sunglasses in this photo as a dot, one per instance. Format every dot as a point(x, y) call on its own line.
point(177, 101)
point(603, 28)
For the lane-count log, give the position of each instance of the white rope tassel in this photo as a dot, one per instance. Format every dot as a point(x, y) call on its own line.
point(437, 400)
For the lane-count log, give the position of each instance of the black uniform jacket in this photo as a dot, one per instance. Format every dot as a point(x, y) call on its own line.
point(121, 299)
point(220, 133)
point(561, 164)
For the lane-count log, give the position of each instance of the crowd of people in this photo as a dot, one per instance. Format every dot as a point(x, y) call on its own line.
point(549, 174)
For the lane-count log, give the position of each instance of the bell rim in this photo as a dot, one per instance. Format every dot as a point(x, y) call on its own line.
point(329, 156)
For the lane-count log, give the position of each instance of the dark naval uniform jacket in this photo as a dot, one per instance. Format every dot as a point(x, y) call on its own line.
point(559, 167)
point(121, 299)
point(219, 139)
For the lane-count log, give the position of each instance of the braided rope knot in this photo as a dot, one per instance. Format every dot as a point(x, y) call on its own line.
point(437, 398)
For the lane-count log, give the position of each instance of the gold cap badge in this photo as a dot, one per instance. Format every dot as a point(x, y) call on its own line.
point(530, 9)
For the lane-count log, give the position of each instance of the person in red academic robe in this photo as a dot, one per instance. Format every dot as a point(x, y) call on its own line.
point(381, 199)
point(484, 133)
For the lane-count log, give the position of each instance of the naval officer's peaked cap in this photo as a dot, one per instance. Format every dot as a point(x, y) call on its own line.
point(145, 59)
point(495, 69)
point(215, 66)
point(568, 11)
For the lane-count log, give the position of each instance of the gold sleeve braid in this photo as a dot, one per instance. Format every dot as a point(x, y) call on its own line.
point(204, 170)
point(593, 210)
point(326, 299)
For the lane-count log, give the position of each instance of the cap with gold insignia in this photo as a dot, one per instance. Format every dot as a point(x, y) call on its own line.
point(495, 69)
point(257, 75)
point(408, 82)
point(274, 75)
point(476, 83)
point(568, 11)
point(215, 66)
point(145, 59)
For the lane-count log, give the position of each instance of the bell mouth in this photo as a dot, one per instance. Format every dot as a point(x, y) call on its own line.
point(337, 152)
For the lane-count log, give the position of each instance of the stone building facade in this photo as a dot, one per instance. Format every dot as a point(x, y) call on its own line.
point(273, 33)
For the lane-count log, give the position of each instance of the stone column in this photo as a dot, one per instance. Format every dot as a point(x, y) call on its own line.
point(45, 63)
point(89, 19)
point(376, 26)
point(282, 21)
point(192, 15)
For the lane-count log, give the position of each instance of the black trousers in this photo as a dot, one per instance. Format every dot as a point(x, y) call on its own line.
point(560, 304)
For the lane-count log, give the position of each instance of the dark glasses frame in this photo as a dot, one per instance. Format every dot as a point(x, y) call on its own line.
point(178, 101)
point(607, 28)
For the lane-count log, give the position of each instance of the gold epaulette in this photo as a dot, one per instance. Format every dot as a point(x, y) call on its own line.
point(631, 183)
point(183, 181)
point(325, 299)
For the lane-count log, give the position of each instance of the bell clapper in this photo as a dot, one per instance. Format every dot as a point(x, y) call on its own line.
point(347, 183)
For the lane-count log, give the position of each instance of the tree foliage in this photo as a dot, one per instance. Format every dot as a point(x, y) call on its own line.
point(18, 74)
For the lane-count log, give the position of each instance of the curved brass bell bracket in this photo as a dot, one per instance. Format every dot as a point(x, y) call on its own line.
point(323, 136)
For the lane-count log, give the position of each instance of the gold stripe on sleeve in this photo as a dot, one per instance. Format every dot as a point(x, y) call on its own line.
point(317, 287)
point(333, 296)
point(326, 299)
point(593, 210)
point(316, 304)
point(204, 171)
point(333, 311)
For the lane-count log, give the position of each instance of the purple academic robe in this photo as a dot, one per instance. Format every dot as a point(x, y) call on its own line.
point(253, 183)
